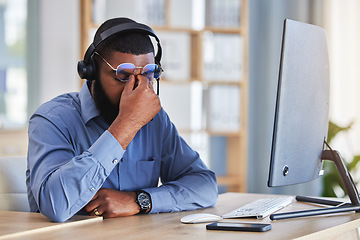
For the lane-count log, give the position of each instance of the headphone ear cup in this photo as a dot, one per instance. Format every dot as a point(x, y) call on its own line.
point(91, 69)
point(81, 68)
point(87, 71)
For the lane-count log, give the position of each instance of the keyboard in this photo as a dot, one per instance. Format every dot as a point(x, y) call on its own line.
point(260, 208)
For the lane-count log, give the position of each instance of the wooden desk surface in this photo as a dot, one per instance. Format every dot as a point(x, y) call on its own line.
point(168, 226)
point(19, 224)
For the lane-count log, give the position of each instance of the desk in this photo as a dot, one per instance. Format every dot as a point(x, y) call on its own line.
point(15, 225)
point(168, 226)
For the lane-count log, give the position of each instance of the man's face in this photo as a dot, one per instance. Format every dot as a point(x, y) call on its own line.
point(107, 90)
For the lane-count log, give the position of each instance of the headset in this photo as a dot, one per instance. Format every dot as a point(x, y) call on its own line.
point(87, 68)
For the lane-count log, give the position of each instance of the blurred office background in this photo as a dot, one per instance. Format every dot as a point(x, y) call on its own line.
point(40, 48)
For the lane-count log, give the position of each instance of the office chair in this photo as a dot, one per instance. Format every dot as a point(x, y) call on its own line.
point(13, 193)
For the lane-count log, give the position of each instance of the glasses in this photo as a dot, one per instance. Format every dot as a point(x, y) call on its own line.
point(125, 70)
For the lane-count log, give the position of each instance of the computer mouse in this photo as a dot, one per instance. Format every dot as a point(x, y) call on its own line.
point(200, 218)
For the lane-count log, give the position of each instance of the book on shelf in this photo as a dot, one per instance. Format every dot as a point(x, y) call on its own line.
point(183, 104)
point(176, 58)
point(223, 110)
point(188, 14)
point(223, 58)
point(150, 12)
point(223, 13)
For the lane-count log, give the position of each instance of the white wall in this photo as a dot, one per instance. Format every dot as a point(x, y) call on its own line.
point(343, 27)
point(59, 47)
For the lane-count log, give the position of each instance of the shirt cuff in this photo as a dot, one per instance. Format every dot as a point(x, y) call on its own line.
point(107, 150)
point(161, 199)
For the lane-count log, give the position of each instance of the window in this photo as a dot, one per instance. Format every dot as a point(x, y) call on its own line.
point(13, 77)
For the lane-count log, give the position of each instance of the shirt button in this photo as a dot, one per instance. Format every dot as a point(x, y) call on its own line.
point(115, 161)
point(122, 160)
point(92, 189)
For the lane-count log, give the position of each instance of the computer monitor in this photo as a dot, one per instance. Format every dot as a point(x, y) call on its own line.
point(302, 115)
point(302, 105)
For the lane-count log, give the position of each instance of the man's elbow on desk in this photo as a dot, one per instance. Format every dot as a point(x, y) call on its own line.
point(211, 189)
point(56, 217)
point(55, 210)
point(212, 192)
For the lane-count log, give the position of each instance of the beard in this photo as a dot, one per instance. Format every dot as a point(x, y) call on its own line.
point(107, 110)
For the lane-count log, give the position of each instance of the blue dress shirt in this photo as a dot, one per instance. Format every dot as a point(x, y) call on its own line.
point(71, 155)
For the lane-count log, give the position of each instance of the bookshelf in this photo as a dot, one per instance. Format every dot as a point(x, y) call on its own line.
point(204, 89)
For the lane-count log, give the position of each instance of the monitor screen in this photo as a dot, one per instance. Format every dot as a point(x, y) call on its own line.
point(302, 105)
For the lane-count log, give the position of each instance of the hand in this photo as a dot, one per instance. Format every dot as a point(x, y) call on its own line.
point(112, 203)
point(138, 105)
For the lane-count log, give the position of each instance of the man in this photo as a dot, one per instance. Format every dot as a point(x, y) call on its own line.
point(104, 149)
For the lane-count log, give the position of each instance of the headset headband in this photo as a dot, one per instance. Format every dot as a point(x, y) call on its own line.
point(124, 27)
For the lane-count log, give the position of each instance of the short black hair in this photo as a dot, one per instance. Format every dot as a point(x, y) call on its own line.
point(136, 43)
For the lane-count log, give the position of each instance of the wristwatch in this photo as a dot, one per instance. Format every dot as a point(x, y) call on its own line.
point(144, 201)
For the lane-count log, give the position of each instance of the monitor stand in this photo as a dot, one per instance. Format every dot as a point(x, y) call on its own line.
point(339, 206)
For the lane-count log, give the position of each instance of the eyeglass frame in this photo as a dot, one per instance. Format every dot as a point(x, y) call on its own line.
point(115, 69)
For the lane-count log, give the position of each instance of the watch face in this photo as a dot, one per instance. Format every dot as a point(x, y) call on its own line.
point(144, 200)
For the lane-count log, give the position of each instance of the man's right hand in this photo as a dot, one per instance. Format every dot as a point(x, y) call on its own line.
point(137, 107)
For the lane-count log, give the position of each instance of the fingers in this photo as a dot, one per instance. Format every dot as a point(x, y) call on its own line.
point(139, 82)
point(89, 208)
point(144, 83)
point(129, 86)
point(98, 211)
point(95, 208)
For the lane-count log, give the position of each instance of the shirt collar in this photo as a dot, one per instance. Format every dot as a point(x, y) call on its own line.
point(88, 107)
